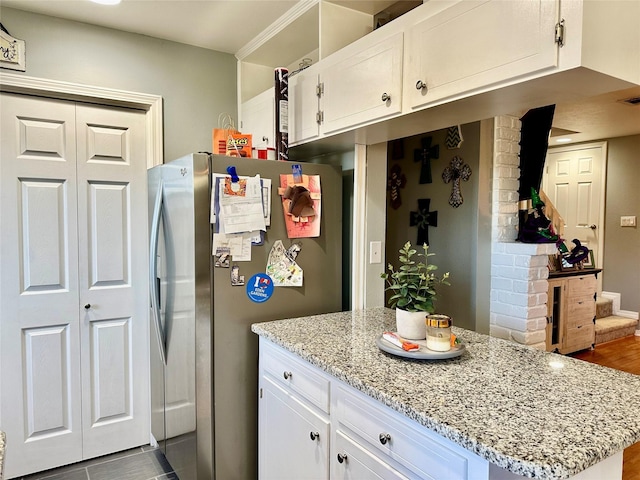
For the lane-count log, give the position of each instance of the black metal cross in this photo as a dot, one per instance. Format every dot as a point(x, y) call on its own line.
point(424, 156)
point(423, 218)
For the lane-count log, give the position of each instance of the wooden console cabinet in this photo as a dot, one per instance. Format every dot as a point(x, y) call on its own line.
point(571, 311)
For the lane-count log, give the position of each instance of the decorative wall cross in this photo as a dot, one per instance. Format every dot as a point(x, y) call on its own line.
point(424, 156)
point(395, 182)
point(423, 218)
point(456, 171)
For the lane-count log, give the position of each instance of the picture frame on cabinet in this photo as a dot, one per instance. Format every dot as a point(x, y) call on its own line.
point(589, 262)
point(566, 266)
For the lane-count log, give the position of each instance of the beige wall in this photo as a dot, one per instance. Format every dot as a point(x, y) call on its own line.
point(455, 239)
point(621, 261)
point(196, 84)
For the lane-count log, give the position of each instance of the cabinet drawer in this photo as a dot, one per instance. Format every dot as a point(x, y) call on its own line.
point(580, 311)
point(352, 461)
point(579, 286)
point(580, 337)
point(404, 443)
point(296, 375)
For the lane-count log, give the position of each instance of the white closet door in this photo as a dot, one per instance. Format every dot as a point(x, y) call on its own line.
point(39, 332)
point(112, 225)
point(73, 234)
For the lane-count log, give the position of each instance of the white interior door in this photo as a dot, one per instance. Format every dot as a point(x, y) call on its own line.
point(112, 233)
point(59, 363)
point(39, 330)
point(573, 180)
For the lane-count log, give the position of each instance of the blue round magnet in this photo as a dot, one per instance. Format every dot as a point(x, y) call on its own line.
point(260, 287)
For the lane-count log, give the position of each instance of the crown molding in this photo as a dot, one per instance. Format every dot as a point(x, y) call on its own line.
point(276, 27)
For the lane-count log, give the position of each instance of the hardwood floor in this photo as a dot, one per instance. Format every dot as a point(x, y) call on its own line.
point(622, 354)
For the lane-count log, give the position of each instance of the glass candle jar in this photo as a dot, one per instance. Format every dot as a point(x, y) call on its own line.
point(438, 333)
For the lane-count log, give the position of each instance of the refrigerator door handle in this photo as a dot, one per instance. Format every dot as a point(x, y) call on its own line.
point(153, 272)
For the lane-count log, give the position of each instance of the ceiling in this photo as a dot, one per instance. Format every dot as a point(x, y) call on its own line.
point(229, 25)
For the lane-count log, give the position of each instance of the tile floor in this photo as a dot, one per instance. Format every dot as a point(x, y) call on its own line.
point(143, 463)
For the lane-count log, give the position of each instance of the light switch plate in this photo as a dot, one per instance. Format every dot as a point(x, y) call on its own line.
point(375, 252)
point(628, 221)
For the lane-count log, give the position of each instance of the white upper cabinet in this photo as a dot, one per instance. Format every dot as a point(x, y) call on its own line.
point(258, 118)
point(364, 86)
point(475, 44)
point(310, 32)
point(304, 107)
point(481, 58)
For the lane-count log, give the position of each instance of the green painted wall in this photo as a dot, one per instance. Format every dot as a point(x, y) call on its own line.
point(455, 239)
point(621, 261)
point(196, 84)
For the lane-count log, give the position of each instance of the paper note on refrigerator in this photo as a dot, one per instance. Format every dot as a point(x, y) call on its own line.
point(219, 198)
point(242, 213)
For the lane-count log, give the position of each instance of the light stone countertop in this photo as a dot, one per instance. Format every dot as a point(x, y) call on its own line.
point(500, 400)
point(2, 442)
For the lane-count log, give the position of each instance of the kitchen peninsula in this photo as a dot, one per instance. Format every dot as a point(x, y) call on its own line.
point(499, 411)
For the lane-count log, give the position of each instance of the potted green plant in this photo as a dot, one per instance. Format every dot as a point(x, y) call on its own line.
point(413, 286)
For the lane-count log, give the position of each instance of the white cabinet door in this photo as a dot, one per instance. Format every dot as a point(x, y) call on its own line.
point(73, 233)
point(363, 87)
point(303, 105)
point(293, 439)
point(353, 462)
point(39, 330)
point(112, 239)
point(257, 118)
point(476, 44)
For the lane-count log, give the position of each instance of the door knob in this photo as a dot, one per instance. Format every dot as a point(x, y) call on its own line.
point(384, 438)
point(342, 457)
point(420, 85)
point(593, 226)
point(314, 435)
point(287, 375)
point(87, 306)
point(386, 97)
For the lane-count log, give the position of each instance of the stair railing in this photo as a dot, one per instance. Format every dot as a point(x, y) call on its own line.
point(552, 214)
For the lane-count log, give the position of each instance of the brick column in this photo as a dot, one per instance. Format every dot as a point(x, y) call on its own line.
point(518, 306)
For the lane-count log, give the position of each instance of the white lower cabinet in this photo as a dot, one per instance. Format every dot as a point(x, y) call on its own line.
point(294, 440)
point(353, 437)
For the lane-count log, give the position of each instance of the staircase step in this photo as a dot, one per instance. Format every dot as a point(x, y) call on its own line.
point(614, 327)
point(604, 307)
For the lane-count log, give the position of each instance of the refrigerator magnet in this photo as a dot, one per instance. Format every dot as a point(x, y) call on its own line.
point(260, 288)
point(236, 278)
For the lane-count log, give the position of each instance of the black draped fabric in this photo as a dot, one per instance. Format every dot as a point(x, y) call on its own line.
point(534, 141)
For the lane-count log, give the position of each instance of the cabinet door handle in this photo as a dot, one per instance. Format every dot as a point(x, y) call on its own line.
point(287, 375)
point(420, 85)
point(87, 306)
point(342, 457)
point(384, 438)
point(386, 97)
point(314, 435)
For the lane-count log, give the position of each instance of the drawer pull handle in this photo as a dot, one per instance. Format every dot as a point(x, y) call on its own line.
point(386, 97)
point(287, 375)
point(384, 438)
point(314, 435)
point(342, 457)
point(420, 85)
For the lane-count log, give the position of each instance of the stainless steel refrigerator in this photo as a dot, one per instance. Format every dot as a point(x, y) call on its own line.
point(204, 356)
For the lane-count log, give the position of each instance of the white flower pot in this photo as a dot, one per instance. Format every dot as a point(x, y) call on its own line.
point(411, 325)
